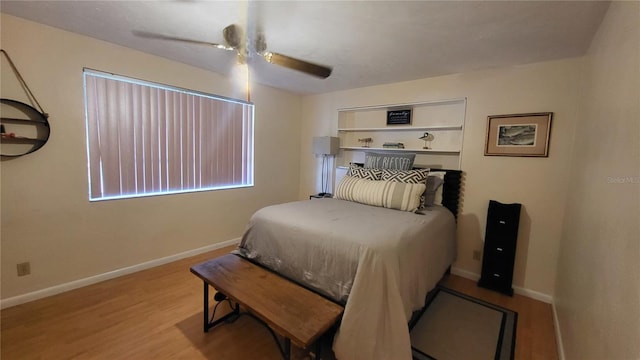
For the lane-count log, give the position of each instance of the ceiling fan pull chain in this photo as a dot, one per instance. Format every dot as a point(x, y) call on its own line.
point(24, 83)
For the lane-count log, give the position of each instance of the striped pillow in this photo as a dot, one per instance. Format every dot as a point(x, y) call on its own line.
point(415, 176)
point(388, 194)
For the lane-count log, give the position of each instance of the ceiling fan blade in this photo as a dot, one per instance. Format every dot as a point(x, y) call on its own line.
point(296, 64)
point(149, 35)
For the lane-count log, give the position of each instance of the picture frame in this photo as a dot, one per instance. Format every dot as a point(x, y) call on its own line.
point(399, 117)
point(518, 134)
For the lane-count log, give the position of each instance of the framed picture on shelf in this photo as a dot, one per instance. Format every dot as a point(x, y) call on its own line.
point(518, 134)
point(399, 117)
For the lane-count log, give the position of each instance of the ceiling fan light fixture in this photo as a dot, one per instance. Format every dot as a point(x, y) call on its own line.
point(268, 56)
point(261, 44)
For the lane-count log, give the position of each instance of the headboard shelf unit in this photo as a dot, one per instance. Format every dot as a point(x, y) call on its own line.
point(405, 128)
point(443, 119)
point(418, 151)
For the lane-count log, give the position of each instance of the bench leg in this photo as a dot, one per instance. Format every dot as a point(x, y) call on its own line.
point(287, 349)
point(206, 306)
point(318, 347)
point(207, 323)
point(284, 347)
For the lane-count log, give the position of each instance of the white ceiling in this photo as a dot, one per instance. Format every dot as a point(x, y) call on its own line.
point(366, 42)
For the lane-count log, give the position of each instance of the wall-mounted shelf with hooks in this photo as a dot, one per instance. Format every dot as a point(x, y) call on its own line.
point(24, 129)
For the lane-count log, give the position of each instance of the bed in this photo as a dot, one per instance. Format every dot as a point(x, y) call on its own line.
point(378, 262)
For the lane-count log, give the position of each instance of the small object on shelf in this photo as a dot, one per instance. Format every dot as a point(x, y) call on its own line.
point(393, 145)
point(8, 135)
point(427, 137)
point(366, 141)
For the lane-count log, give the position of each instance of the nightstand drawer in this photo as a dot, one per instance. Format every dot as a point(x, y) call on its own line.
point(499, 228)
point(497, 265)
point(499, 252)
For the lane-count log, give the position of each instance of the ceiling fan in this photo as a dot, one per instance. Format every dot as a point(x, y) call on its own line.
point(236, 41)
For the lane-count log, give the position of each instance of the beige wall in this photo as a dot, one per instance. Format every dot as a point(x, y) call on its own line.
point(540, 184)
point(46, 216)
point(598, 284)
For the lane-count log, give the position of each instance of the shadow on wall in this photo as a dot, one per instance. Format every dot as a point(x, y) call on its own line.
point(469, 225)
point(522, 247)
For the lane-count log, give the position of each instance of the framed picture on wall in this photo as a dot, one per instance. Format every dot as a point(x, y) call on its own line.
point(518, 134)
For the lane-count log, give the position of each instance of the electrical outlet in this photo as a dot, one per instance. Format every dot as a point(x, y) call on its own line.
point(24, 268)
point(476, 255)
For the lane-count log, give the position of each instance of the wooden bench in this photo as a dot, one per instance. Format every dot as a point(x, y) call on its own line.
point(293, 312)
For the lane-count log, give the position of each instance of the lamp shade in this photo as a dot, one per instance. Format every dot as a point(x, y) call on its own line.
point(326, 145)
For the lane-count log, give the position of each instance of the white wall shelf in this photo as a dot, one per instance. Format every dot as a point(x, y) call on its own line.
point(405, 128)
point(444, 119)
point(362, 148)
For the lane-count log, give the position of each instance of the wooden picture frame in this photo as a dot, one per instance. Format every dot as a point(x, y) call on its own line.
point(518, 134)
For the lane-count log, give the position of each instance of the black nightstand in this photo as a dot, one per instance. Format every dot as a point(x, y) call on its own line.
point(320, 196)
point(500, 247)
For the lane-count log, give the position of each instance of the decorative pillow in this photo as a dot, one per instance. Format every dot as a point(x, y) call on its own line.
point(388, 194)
point(362, 173)
point(434, 188)
point(416, 176)
point(389, 161)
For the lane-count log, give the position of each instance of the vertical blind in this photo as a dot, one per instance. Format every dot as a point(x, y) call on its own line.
point(150, 139)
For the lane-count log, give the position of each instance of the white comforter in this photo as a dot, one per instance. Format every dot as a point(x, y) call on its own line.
point(381, 261)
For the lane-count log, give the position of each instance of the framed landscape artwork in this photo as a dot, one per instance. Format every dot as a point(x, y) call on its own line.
point(518, 134)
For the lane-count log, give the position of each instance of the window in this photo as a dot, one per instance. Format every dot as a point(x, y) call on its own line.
point(150, 139)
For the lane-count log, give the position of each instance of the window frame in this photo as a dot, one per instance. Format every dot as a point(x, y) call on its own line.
point(248, 109)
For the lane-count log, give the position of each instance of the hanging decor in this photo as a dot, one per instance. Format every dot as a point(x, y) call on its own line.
point(24, 129)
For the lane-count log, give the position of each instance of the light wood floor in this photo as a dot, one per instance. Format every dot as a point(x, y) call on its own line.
point(157, 314)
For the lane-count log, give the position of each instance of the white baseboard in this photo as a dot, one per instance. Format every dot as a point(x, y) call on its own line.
point(465, 274)
point(517, 289)
point(556, 326)
point(39, 294)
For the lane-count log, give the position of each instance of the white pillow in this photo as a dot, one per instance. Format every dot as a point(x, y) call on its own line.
point(388, 194)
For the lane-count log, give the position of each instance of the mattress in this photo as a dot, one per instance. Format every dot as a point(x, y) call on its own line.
point(380, 263)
